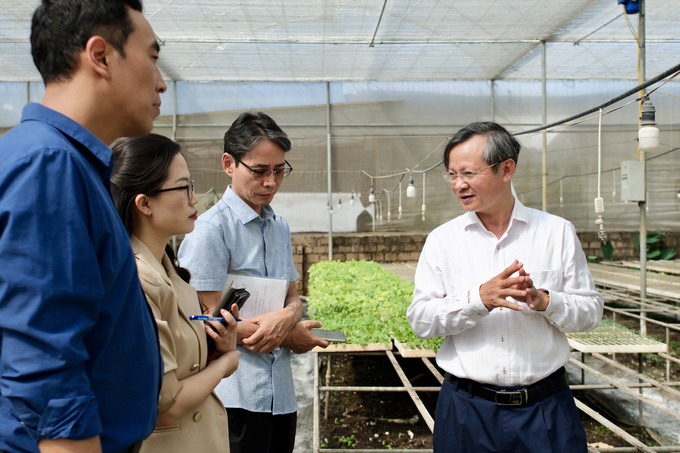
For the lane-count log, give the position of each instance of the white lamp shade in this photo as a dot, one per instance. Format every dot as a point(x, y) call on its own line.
point(411, 191)
point(649, 138)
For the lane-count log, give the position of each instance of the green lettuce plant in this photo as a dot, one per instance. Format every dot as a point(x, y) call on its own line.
point(365, 301)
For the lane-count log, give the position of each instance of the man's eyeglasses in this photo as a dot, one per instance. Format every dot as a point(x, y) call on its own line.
point(466, 176)
point(261, 175)
point(189, 188)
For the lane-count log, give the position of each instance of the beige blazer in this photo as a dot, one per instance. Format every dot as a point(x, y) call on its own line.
point(184, 349)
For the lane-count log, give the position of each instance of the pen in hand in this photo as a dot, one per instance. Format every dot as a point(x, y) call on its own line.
point(208, 318)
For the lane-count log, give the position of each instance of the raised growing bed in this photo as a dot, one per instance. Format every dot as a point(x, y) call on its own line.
point(366, 302)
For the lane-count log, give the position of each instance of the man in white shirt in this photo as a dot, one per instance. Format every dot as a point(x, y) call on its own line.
point(502, 284)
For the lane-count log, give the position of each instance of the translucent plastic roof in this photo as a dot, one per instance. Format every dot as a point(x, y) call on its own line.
point(307, 40)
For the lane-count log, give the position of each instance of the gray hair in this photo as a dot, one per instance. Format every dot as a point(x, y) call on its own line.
point(500, 144)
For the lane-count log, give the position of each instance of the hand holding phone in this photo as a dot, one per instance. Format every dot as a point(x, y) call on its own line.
point(232, 296)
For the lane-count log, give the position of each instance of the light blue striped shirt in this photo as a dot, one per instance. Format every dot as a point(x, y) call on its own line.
point(230, 238)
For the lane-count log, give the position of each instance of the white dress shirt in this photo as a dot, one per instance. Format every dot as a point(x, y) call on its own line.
point(503, 347)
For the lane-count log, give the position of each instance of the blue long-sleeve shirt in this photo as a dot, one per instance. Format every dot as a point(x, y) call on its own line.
point(79, 354)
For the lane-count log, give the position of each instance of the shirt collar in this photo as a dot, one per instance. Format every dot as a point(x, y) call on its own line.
point(244, 212)
point(70, 128)
point(519, 213)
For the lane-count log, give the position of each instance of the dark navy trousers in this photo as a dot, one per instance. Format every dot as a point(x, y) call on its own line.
point(260, 432)
point(470, 424)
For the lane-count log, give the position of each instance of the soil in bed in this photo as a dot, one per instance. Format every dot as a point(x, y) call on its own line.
point(375, 419)
point(384, 420)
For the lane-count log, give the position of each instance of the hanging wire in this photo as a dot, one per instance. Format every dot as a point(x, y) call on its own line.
point(577, 175)
point(672, 72)
point(599, 156)
point(599, 202)
point(423, 207)
point(399, 216)
point(401, 174)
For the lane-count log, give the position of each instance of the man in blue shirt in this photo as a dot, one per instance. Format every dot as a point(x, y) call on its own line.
point(242, 235)
point(80, 364)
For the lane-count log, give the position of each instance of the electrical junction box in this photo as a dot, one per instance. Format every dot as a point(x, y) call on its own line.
point(633, 180)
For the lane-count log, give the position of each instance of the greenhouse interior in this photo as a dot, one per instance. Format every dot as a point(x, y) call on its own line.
point(370, 92)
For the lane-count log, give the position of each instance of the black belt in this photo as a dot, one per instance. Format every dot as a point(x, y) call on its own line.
point(516, 396)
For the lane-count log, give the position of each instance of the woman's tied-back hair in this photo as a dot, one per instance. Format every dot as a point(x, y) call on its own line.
point(142, 164)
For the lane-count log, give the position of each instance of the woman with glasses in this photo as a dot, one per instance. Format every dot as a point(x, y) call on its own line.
point(155, 198)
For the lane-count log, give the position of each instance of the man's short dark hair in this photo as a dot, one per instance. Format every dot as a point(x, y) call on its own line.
point(500, 144)
point(249, 131)
point(60, 30)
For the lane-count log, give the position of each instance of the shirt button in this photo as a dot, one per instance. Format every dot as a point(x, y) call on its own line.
point(498, 247)
point(194, 367)
point(198, 417)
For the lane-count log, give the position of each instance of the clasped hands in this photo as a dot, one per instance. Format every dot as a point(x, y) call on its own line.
point(521, 288)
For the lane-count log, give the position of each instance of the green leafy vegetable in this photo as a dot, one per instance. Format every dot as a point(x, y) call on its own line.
point(365, 301)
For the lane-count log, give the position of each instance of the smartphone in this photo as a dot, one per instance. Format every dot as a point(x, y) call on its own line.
point(232, 296)
point(334, 336)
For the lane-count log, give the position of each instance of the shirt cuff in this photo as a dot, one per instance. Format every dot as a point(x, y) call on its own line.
point(70, 418)
point(555, 310)
point(473, 306)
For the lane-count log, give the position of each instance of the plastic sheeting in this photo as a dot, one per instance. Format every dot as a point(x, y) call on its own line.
point(301, 40)
point(383, 128)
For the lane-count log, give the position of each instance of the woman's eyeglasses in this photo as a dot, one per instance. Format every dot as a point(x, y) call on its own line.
point(189, 188)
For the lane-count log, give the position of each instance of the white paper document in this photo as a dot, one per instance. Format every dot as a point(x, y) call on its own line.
point(266, 294)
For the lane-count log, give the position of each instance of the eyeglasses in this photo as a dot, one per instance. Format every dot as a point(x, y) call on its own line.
point(261, 175)
point(466, 176)
point(189, 188)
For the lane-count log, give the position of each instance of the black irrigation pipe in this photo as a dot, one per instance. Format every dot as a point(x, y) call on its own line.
point(642, 86)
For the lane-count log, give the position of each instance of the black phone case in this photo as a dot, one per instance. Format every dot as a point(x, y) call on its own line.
point(233, 296)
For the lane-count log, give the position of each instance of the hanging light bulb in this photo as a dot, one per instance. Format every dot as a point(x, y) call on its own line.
point(328, 206)
point(648, 135)
point(339, 203)
point(371, 196)
point(411, 189)
point(351, 199)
